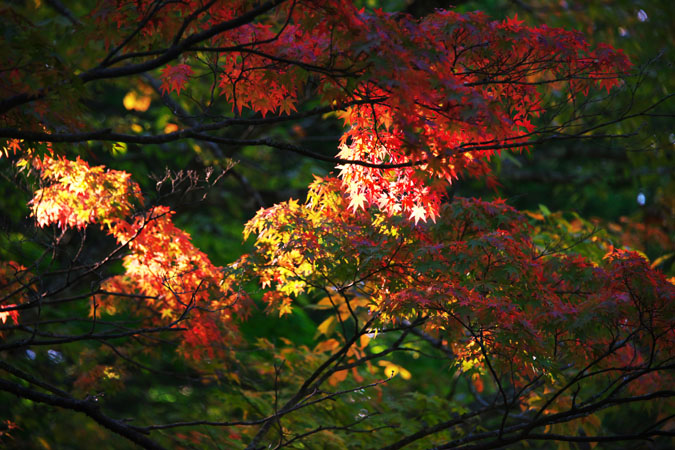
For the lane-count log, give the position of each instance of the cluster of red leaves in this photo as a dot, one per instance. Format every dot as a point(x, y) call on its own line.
point(178, 283)
point(439, 95)
point(457, 88)
point(478, 278)
point(115, 18)
point(434, 97)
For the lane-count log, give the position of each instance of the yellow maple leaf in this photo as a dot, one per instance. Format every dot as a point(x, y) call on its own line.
point(167, 313)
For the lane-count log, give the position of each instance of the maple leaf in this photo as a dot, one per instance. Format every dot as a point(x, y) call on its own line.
point(285, 307)
point(514, 22)
point(287, 105)
point(357, 201)
point(13, 145)
point(175, 77)
point(167, 313)
point(418, 213)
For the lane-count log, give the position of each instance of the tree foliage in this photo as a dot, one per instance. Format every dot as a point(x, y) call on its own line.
point(383, 311)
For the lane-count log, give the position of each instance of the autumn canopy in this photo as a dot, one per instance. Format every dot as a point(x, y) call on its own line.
point(381, 309)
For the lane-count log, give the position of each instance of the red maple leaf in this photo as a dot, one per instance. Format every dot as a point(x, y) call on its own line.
point(175, 77)
point(513, 21)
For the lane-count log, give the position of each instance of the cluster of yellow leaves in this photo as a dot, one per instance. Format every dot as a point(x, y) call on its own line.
point(81, 195)
point(296, 243)
point(293, 262)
